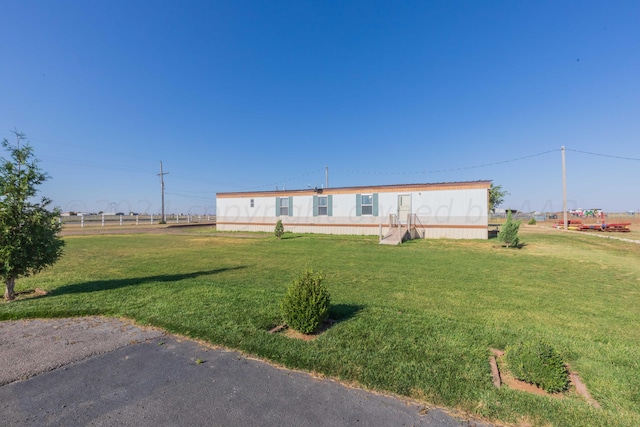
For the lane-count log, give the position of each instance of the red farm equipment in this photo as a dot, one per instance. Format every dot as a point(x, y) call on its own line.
point(578, 225)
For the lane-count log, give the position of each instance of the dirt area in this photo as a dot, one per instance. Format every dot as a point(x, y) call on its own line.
point(290, 333)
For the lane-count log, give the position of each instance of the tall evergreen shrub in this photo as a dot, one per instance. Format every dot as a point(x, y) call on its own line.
point(509, 232)
point(279, 230)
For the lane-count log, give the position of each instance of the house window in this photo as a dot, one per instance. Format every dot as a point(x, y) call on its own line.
point(323, 205)
point(284, 206)
point(251, 202)
point(367, 204)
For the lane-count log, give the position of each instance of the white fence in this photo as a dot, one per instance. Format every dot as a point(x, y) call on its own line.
point(105, 220)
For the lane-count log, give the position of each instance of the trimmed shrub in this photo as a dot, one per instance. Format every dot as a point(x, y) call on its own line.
point(532, 221)
point(306, 304)
point(279, 230)
point(538, 363)
point(509, 232)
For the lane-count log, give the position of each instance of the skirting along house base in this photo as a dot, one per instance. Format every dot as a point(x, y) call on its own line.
point(456, 210)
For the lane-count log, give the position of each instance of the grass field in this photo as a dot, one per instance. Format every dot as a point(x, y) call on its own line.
point(417, 320)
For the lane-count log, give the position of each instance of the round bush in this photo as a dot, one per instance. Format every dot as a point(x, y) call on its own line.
point(306, 304)
point(538, 363)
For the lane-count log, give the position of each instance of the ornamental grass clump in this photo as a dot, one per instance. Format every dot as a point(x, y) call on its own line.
point(538, 363)
point(306, 304)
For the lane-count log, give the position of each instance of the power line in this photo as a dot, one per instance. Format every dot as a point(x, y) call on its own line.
point(191, 191)
point(73, 162)
point(451, 169)
point(604, 155)
point(282, 180)
point(190, 196)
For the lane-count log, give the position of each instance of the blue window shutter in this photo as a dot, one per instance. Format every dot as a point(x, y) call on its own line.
point(290, 206)
point(358, 204)
point(329, 205)
point(375, 204)
point(277, 206)
point(315, 205)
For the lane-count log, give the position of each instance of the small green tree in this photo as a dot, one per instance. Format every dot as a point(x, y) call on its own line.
point(29, 239)
point(509, 232)
point(279, 231)
point(306, 304)
point(496, 196)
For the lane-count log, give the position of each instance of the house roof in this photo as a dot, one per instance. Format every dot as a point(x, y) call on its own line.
point(464, 185)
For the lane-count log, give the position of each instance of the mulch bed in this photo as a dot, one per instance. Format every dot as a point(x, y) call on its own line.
point(290, 333)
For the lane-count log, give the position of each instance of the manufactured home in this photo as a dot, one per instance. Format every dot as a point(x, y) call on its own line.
point(456, 210)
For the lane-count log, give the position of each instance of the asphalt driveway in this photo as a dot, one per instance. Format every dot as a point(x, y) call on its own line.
point(102, 372)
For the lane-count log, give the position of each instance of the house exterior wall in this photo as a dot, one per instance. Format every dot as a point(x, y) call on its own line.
point(450, 210)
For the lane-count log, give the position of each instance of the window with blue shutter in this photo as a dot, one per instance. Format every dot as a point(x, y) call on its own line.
point(284, 206)
point(322, 205)
point(323, 208)
point(367, 204)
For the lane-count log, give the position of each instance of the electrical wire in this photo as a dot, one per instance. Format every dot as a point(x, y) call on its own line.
point(190, 196)
point(282, 181)
point(603, 155)
point(72, 162)
point(448, 170)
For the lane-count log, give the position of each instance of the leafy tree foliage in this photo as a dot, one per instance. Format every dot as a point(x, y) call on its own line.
point(496, 196)
point(29, 240)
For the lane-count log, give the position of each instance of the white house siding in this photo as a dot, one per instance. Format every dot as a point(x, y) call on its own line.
point(451, 210)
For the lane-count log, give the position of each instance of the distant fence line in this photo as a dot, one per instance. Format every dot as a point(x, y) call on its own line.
point(104, 220)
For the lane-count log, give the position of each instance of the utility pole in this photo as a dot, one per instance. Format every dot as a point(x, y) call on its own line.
point(326, 176)
point(161, 175)
point(564, 191)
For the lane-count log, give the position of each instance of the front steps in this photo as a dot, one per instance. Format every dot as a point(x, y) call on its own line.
point(396, 236)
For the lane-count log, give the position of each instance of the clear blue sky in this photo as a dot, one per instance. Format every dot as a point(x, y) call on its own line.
point(250, 95)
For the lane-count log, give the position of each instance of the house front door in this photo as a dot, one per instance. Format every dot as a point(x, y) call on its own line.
point(404, 207)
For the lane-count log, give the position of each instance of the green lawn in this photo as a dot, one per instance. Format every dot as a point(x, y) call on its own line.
point(417, 319)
